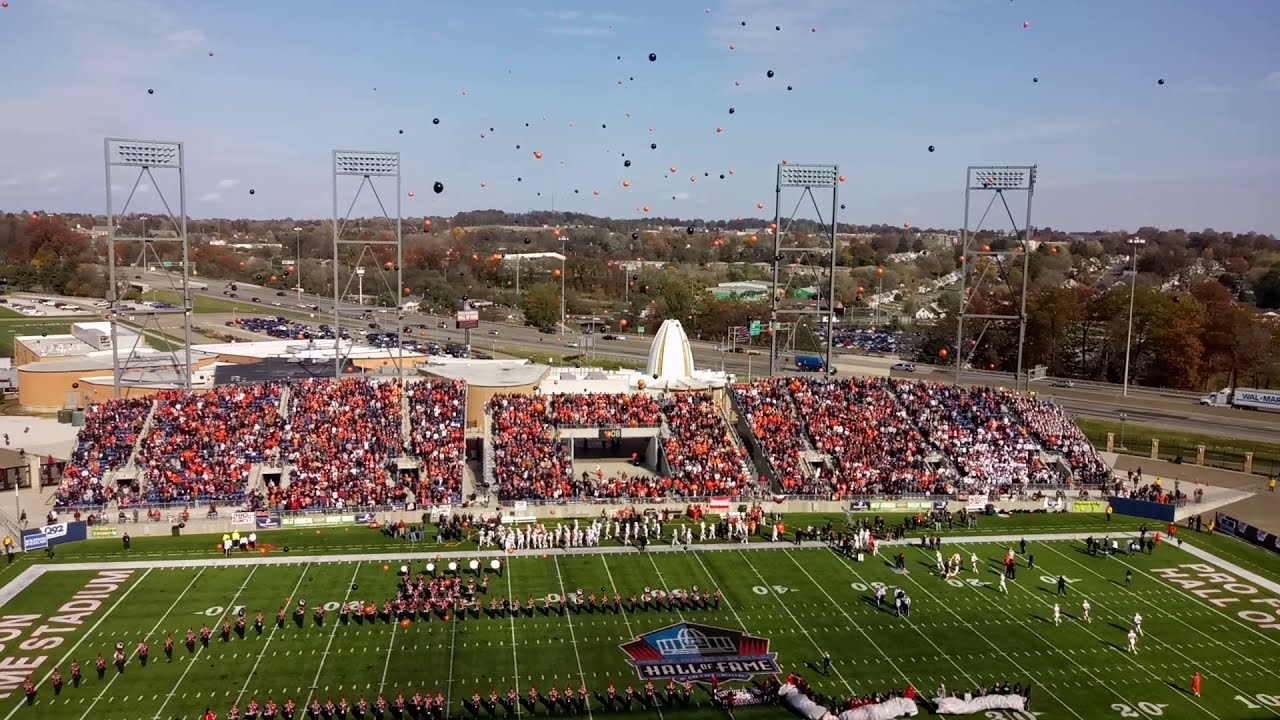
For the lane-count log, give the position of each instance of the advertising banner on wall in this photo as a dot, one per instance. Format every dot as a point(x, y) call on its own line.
point(1088, 506)
point(56, 534)
point(243, 518)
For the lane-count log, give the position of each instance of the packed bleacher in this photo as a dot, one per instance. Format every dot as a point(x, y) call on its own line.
point(530, 462)
point(771, 414)
point(601, 410)
point(971, 426)
point(105, 441)
point(1058, 433)
point(700, 452)
point(201, 446)
point(437, 420)
point(340, 440)
point(874, 446)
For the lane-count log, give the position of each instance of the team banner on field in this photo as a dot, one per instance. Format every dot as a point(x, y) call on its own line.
point(719, 504)
point(688, 651)
point(57, 534)
point(1088, 506)
point(1243, 530)
point(243, 518)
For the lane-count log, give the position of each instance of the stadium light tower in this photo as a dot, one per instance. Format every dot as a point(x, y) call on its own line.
point(368, 166)
point(998, 180)
point(148, 157)
point(812, 260)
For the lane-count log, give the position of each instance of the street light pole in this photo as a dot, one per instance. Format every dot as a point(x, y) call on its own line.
point(563, 271)
point(1135, 243)
point(297, 264)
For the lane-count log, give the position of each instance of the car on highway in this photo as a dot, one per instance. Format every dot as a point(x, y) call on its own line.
point(254, 299)
point(1063, 383)
point(547, 330)
point(493, 333)
point(440, 325)
point(903, 367)
point(232, 295)
point(571, 343)
point(275, 303)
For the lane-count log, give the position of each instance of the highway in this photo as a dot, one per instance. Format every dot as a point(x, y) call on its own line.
point(1177, 410)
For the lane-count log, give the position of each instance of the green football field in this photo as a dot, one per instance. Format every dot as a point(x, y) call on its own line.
point(1198, 616)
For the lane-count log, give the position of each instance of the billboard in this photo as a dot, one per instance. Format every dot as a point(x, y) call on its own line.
point(57, 534)
point(467, 320)
point(241, 517)
point(689, 651)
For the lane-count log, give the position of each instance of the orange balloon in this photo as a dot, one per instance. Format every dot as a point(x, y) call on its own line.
point(942, 353)
point(626, 183)
point(673, 169)
point(646, 208)
point(759, 206)
point(408, 292)
point(537, 155)
point(555, 273)
point(841, 178)
point(640, 384)
point(754, 238)
point(410, 193)
point(556, 233)
point(404, 623)
point(274, 278)
point(426, 223)
point(387, 265)
point(622, 323)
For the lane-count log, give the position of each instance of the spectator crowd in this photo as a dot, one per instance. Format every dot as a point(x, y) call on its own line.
point(437, 421)
point(105, 442)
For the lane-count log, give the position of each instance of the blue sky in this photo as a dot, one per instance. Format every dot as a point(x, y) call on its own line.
point(875, 85)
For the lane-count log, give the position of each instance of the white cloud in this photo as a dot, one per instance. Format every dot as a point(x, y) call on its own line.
point(578, 30)
point(563, 14)
point(211, 197)
point(228, 183)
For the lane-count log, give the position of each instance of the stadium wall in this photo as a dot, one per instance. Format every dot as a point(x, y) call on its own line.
point(1142, 508)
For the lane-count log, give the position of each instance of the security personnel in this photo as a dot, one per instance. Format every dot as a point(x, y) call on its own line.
point(8, 548)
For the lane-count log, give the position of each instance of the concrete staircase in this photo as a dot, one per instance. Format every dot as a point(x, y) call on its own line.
point(406, 426)
point(487, 463)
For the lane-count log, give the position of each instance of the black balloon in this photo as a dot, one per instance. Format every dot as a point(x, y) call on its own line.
point(626, 163)
point(653, 146)
point(517, 147)
point(777, 27)
point(653, 57)
point(527, 241)
point(732, 111)
point(603, 125)
point(151, 91)
point(519, 179)
point(769, 74)
point(401, 132)
point(1160, 81)
point(575, 191)
point(438, 187)
point(930, 148)
point(788, 87)
point(721, 176)
point(690, 229)
point(841, 206)
point(251, 191)
point(635, 236)
point(435, 121)
point(744, 23)
point(1036, 79)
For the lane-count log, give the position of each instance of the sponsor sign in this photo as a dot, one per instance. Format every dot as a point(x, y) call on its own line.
point(520, 506)
point(267, 522)
point(1055, 504)
point(440, 512)
point(56, 534)
point(689, 651)
point(976, 501)
point(1088, 506)
point(339, 519)
point(939, 504)
point(901, 505)
point(719, 504)
point(1241, 529)
point(298, 521)
point(468, 320)
point(243, 518)
point(364, 518)
point(857, 505)
point(102, 531)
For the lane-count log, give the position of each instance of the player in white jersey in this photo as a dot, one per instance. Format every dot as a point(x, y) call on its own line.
point(1003, 588)
point(973, 560)
point(1057, 614)
point(1137, 623)
point(1085, 607)
point(1133, 642)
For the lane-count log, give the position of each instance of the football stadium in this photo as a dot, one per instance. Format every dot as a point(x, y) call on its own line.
point(503, 539)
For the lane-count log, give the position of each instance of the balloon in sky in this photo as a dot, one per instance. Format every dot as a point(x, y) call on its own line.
point(438, 187)
point(653, 57)
point(626, 183)
point(744, 23)
point(484, 184)
point(1035, 79)
point(732, 111)
point(930, 148)
point(777, 27)
point(1025, 25)
point(410, 193)
point(252, 191)
point(731, 47)
point(210, 52)
point(435, 121)
point(151, 91)
point(402, 132)
point(626, 163)
point(789, 87)
point(537, 155)
point(769, 74)
point(1160, 81)
point(654, 146)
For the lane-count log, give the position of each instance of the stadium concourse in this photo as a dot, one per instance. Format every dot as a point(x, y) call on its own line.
point(669, 433)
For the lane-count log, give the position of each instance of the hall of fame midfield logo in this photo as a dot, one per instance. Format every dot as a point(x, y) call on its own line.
point(689, 651)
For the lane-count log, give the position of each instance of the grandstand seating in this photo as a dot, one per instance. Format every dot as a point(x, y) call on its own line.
point(530, 463)
point(201, 446)
point(600, 410)
point(105, 442)
point(437, 420)
point(771, 414)
point(1058, 433)
point(873, 445)
point(702, 457)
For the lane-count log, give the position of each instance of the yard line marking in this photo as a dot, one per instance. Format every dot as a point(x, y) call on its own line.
point(84, 637)
point(271, 635)
point(515, 662)
point(803, 629)
point(716, 587)
point(1025, 624)
point(334, 631)
point(160, 622)
point(200, 649)
point(1162, 642)
point(581, 675)
point(390, 648)
point(871, 642)
point(453, 641)
point(625, 619)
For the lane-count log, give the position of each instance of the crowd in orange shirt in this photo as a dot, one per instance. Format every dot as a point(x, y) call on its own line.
point(703, 457)
point(771, 414)
point(601, 410)
point(530, 463)
point(200, 446)
point(437, 421)
point(341, 438)
point(105, 442)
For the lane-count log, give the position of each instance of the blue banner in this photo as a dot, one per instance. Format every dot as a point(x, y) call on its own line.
point(267, 523)
point(859, 505)
point(55, 534)
point(1144, 508)
point(364, 518)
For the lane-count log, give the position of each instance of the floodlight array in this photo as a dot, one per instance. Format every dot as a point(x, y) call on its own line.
point(355, 163)
point(147, 154)
point(808, 175)
point(1002, 178)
